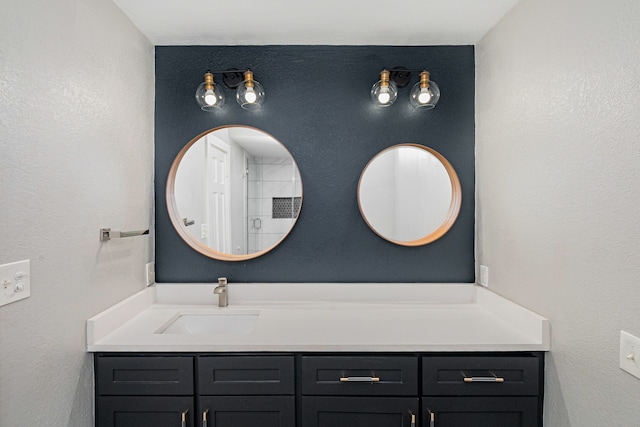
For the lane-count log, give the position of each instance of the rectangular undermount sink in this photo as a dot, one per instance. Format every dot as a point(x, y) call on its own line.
point(207, 324)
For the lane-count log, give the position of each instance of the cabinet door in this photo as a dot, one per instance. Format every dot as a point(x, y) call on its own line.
point(480, 411)
point(247, 411)
point(359, 411)
point(147, 411)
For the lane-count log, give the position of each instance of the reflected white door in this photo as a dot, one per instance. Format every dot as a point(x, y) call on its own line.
point(218, 191)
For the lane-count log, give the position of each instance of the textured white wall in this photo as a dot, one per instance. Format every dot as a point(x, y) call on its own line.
point(76, 141)
point(558, 184)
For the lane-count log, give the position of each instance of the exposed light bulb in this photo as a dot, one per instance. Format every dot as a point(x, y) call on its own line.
point(250, 95)
point(424, 96)
point(384, 96)
point(210, 97)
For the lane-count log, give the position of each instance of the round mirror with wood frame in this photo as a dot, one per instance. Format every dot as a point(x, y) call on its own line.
point(409, 194)
point(234, 193)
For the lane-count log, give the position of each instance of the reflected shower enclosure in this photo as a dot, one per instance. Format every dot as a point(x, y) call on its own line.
point(273, 196)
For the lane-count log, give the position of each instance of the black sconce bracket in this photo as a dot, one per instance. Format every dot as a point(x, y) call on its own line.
point(400, 76)
point(233, 77)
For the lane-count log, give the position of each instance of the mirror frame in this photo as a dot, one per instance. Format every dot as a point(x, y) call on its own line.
point(181, 228)
point(454, 206)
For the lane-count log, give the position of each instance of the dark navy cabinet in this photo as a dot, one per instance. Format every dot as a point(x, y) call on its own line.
point(359, 411)
point(246, 391)
point(247, 411)
point(367, 375)
point(145, 411)
point(319, 390)
point(359, 390)
point(482, 390)
point(462, 411)
point(148, 391)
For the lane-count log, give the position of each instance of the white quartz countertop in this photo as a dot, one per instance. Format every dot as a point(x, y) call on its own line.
point(389, 317)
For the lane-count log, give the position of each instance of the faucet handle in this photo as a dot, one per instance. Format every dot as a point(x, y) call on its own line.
point(222, 281)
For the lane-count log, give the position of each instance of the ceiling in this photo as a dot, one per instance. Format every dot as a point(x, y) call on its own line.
point(257, 143)
point(315, 22)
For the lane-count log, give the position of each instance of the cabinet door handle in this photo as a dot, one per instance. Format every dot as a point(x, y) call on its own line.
point(184, 418)
point(413, 420)
point(204, 418)
point(432, 418)
point(359, 379)
point(483, 379)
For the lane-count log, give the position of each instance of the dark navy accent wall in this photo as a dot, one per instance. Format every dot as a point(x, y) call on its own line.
point(318, 105)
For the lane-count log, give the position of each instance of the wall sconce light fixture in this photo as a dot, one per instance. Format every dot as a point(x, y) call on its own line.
point(249, 92)
point(384, 91)
point(209, 95)
point(424, 95)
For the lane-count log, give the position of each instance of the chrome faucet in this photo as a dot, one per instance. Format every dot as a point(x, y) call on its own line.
point(221, 291)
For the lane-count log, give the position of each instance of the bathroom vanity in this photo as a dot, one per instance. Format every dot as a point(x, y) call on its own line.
point(318, 355)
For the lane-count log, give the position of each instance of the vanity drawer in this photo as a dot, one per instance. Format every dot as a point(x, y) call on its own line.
point(480, 375)
point(246, 375)
point(144, 375)
point(360, 375)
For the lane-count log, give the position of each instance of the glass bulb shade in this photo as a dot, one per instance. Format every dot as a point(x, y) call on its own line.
point(384, 93)
point(250, 94)
point(209, 97)
point(425, 97)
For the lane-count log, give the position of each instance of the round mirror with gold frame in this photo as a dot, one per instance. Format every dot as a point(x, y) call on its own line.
point(409, 194)
point(234, 193)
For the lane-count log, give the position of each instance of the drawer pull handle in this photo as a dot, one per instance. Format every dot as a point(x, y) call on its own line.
point(184, 418)
point(359, 379)
point(483, 379)
point(204, 418)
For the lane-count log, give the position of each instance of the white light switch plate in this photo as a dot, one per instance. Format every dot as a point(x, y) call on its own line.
point(15, 281)
point(484, 275)
point(150, 273)
point(630, 353)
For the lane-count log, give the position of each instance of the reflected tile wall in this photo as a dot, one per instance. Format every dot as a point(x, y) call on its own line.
point(268, 178)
